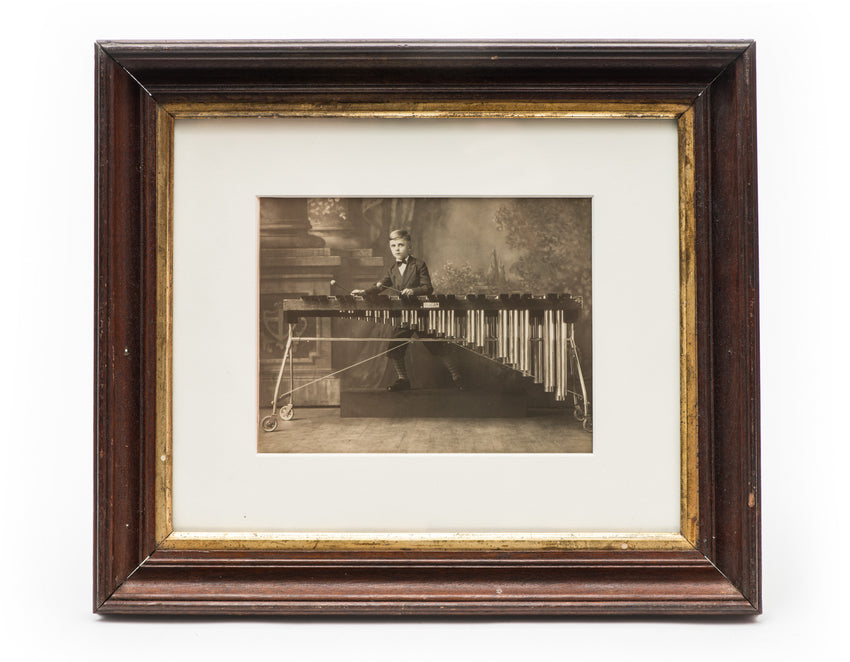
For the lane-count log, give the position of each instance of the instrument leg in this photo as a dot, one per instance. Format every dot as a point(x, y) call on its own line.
point(582, 411)
point(269, 422)
point(286, 412)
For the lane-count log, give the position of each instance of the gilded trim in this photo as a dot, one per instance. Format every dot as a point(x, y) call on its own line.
point(687, 328)
point(495, 110)
point(164, 302)
point(208, 541)
point(170, 540)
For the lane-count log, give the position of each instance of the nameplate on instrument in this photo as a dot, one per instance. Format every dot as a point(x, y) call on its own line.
point(430, 304)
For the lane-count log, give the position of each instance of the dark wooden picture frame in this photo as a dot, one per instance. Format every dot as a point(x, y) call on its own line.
point(713, 567)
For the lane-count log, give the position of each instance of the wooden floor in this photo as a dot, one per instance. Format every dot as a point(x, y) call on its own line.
point(321, 430)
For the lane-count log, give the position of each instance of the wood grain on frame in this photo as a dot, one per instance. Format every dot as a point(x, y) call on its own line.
point(141, 86)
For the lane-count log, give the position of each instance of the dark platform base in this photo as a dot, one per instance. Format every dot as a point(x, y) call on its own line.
point(431, 403)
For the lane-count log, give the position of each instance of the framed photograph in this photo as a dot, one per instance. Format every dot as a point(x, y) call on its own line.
point(426, 328)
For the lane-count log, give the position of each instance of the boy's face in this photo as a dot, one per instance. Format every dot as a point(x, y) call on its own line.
point(400, 248)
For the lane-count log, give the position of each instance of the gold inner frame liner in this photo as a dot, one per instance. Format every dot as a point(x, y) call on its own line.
point(167, 538)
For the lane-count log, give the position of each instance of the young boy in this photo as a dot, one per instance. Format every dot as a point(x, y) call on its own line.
point(409, 277)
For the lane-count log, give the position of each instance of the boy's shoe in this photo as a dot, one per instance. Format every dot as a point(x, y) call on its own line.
point(399, 385)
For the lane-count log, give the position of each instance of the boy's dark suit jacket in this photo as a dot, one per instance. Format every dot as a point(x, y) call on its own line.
point(415, 277)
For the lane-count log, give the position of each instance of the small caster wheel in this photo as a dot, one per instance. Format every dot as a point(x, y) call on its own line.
point(578, 412)
point(269, 424)
point(587, 424)
point(286, 413)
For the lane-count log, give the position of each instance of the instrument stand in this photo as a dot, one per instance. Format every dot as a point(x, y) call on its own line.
point(581, 405)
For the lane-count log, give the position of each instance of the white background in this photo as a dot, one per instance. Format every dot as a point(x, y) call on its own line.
point(47, 113)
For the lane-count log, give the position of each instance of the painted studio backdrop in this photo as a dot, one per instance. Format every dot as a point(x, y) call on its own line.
point(533, 250)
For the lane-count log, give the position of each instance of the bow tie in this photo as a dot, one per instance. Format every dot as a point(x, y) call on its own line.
point(400, 262)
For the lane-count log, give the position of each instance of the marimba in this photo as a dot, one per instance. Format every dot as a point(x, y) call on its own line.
point(534, 335)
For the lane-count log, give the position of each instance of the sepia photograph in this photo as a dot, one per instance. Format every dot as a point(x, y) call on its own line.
point(425, 325)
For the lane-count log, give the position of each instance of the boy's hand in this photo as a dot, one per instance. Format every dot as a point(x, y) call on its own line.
point(407, 292)
point(357, 292)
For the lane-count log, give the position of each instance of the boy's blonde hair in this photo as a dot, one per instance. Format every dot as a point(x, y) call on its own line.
point(400, 234)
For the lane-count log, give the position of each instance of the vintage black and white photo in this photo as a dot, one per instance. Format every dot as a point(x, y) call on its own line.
point(425, 325)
